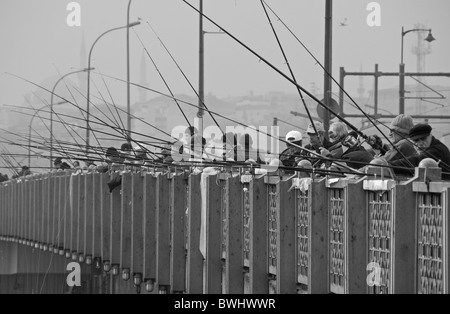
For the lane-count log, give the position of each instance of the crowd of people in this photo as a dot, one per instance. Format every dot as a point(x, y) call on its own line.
point(341, 150)
point(409, 145)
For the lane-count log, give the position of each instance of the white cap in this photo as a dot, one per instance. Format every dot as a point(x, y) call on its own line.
point(294, 136)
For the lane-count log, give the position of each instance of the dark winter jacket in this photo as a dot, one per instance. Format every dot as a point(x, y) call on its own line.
point(437, 151)
point(357, 157)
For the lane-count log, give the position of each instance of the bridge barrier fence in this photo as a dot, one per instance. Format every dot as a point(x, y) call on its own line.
point(225, 232)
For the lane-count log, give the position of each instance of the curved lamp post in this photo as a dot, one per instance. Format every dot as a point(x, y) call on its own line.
point(51, 109)
point(29, 130)
point(128, 73)
point(429, 38)
point(89, 76)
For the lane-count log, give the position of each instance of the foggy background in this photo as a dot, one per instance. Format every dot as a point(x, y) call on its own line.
point(38, 45)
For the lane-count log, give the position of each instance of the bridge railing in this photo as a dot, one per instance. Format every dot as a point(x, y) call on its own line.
point(225, 232)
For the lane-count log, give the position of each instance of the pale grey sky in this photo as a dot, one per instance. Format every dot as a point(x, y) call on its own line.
point(36, 41)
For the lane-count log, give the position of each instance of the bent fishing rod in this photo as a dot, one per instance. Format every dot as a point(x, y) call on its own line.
point(185, 77)
point(341, 88)
point(283, 74)
point(221, 116)
point(162, 77)
point(289, 67)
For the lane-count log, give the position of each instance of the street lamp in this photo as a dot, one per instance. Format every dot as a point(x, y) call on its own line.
point(201, 80)
point(128, 73)
point(89, 76)
point(29, 129)
point(51, 109)
point(429, 39)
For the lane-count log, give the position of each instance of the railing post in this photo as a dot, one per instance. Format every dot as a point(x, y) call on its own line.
point(178, 200)
point(391, 250)
point(125, 223)
point(75, 188)
point(213, 226)
point(194, 258)
point(88, 218)
point(259, 253)
point(163, 234)
point(433, 220)
point(115, 233)
point(137, 229)
point(81, 217)
point(234, 233)
point(286, 239)
point(149, 274)
point(105, 219)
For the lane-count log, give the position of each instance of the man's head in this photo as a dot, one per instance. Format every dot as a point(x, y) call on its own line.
point(338, 131)
point(317, 135)
point(112, 154)
point(421, 136)
point(294, 137)
point(140, 153)
point(58, 162)
point(400, 127)
point(126, 150)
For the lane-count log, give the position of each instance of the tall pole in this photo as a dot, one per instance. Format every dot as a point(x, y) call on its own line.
point(88, 128)
point(29, 132)
point(402, 80)
point(430, 38)
point(328, 61)
point(128, 74)
point(51, 110)
point(201, 76)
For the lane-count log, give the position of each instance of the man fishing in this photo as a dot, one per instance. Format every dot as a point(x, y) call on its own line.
point(428, 147)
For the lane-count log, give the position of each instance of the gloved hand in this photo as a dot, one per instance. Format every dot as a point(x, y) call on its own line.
point(325, 152)
point(375, 141)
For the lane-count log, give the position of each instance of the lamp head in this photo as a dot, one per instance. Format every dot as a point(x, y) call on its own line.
point(134, 24)
point(430, 37)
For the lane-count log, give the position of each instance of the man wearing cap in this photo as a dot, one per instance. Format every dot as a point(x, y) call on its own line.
point(288, 157)
point(59, 164)
point(317, 140)
point(400, 127)
point(428, 147)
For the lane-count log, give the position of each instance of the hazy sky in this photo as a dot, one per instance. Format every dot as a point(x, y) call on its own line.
point(36, 42)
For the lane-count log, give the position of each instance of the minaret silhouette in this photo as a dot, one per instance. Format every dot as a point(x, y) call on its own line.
point(142, 91)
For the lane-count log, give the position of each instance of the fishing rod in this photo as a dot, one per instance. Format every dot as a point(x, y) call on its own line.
point(103, 124)
point(78, 106)
point(184, 75)
point(36, 111)
point(286, 77)
point(289, 67)
point(8, 160)
point(115, 122)
point(137, 118)
point(8, 166)
point(112, 101)
point(162, 77)
point(219, 115)
point(344, 91)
